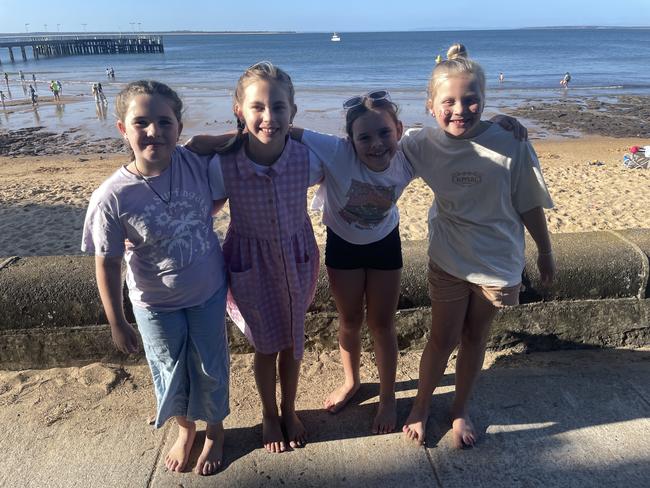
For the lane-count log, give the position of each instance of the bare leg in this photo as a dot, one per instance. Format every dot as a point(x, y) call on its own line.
point(176, 458)
point(382, 294)
point(289, 373)
point(447, 320)
point(468, 365)
point(209, 461)
point(265, 375)
point(347, 287)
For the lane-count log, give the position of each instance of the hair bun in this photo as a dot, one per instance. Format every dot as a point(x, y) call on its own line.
point(457, 51)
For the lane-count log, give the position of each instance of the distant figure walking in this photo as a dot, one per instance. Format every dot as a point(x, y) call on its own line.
point(60, 86)
point(564, 82)
point(501, 78)
point(33, 95)
point(2, 99)
point(22, 76)
point(34, 78)
point(6, 78)
point(111, 73)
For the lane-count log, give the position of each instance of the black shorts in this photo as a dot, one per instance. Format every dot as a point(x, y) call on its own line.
point(385, 254)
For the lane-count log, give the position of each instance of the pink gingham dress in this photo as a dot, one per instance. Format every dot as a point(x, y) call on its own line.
point(270, 249)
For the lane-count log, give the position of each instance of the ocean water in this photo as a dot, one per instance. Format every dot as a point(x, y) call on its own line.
point(205, 68)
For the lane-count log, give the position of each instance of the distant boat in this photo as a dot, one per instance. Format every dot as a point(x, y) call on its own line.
point(335, 38)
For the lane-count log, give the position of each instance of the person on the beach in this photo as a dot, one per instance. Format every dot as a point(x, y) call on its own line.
point(100, 94)
point(488, 186)
point(6, 75)
point(270, 248)
point(54, 87)
point(33, 95)
point(155, 213)
point(2, 99)
point(22, 76)
point(501, 78)
point(364, 176)
point(34, 78)
point(566, 80)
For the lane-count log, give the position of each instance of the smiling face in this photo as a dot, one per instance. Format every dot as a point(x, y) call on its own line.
point(457, 105)
point(375, 135)
point(151, 129)
point(267, 112)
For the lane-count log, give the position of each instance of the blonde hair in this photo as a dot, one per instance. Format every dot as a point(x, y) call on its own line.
point(262, 71)
point(457, 63)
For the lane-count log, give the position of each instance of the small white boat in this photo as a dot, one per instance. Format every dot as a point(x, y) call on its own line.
point(335, 38)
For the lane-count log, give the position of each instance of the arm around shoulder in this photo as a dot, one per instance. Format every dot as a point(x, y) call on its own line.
point(206, 145)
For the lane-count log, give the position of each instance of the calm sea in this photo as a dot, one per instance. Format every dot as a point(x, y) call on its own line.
point(204, 68)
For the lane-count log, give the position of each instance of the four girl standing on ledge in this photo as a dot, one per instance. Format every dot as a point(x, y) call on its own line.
point(488, 186)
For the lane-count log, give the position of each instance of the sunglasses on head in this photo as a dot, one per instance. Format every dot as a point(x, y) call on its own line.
point(375, 96)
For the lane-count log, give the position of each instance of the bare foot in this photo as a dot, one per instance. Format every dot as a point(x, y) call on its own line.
point(296, 433)
point(463, 431)
point(340, 397)
point(415, 426)
point(272, 436)
point(176, 458)
point(386, 417)
point(209, 461)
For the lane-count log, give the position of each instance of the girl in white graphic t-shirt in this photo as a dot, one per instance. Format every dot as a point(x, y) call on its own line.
point(488, 186)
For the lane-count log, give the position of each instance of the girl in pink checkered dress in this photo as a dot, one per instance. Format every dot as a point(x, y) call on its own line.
point(270, 249)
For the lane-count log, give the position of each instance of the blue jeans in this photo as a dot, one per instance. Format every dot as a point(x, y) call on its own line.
point(187, 352)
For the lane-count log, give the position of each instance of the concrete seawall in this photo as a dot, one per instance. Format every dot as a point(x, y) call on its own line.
point(51, 315)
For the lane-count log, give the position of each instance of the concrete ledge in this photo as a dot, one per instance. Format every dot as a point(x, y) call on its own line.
point(51, 315)
point(536, 326)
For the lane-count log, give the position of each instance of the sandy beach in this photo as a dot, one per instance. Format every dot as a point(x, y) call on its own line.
point(43, 198)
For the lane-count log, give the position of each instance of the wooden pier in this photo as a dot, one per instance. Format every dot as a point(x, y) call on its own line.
point(51, 46)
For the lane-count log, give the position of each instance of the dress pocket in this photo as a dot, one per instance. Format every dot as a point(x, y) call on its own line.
point(307, 272)
point(242, 284)
point(243, 298)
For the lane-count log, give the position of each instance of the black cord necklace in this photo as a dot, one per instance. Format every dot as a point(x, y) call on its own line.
point(167, 201)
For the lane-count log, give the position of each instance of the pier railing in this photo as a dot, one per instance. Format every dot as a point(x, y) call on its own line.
point(73, 45)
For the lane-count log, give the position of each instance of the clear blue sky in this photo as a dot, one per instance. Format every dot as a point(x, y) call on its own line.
point(317, 15)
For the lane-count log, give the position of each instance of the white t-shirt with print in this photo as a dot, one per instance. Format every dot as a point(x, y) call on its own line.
point(359, 204)
point(481, 186)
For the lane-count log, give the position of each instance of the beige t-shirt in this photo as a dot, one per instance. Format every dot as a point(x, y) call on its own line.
point(481, 186)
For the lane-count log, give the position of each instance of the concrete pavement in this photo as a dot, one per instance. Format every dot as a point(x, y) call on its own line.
point(565, 418)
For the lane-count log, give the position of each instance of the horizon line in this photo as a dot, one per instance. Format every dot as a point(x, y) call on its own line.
point(276, 31)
